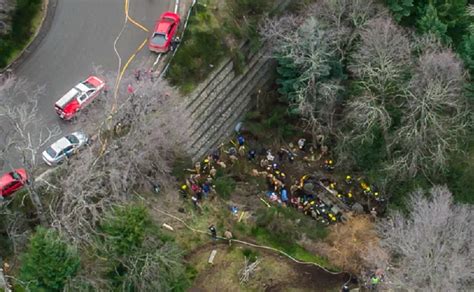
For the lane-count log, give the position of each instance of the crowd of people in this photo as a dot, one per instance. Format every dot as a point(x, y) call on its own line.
point(307, 193)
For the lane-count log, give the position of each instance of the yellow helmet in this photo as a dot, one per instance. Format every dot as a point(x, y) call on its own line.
point(184, 187)
point(330, 161)
point(349, 195)
point(206, 160)
point(376, 193)
point(339, 195)
point(348, 177)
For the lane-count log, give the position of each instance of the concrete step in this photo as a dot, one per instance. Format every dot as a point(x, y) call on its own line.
point(222, 134)
point(214, 107)
point(224, 123)
point(211, 100)
point(219, 108)
point(194, 101)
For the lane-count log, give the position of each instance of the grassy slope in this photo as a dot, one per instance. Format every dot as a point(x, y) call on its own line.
point(26, 21)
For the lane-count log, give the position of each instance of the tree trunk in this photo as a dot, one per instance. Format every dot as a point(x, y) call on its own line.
point(35, 199)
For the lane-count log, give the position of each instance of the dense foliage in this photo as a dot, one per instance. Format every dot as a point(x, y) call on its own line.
point(215, 30)
point(22, 21)
point(48, 262)
point(452, 22)
point(391, 103)
point(447, 19)
point(139, 257)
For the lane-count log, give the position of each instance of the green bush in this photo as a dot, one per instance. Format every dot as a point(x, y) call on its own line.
point(125, 229)
point(139, 257)
point(201, 50)
point(251, 254)
point(180, 164)
point(224, 186)
point(282, 227)
point(275, 122)
point(48, 262)
point(460, 177)
point(447, 19)
point(240, 9)
point(22, 21)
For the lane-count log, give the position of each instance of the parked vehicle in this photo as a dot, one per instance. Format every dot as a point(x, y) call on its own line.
point(12, 182)
point(64, 148)
point(165, 30)
point(78, 97)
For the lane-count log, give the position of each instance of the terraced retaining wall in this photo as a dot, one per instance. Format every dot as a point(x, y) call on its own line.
point(220, 102)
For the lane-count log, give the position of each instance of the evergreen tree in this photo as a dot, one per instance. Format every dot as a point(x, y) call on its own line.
point(467, 52)
point(125, 229)
point(430, 23)
point(400, 8)
point(139, 256)
point(289, 80)
point(48, 262)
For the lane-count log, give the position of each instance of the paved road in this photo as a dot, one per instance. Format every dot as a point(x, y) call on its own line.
point(82, 35)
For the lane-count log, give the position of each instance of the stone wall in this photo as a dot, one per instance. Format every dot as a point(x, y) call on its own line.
point(223, 99)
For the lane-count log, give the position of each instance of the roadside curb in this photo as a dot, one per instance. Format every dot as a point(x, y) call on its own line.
point(46, 21)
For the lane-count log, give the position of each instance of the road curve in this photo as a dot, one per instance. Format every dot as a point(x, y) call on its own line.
point(81, 36)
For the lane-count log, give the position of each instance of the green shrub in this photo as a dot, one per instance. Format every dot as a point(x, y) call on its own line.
point(180, 164)
point(251, 254)
point(124, 229)
point(282, 227)
point(240, 9)
point(22, 21)
point(48, 262)
point(224, 186)
point(138, 255)
point(201, 50)
point(460, 177)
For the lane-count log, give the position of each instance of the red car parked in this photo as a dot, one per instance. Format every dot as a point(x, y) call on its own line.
point(78, 97)
point(12, 181)
point(165, 30)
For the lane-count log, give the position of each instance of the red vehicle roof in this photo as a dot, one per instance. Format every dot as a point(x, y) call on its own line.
point(162, 26)
point(163, 33)
point(7, 178)
point(95, 81)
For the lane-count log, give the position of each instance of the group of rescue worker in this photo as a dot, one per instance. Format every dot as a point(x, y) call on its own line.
point(303, 194)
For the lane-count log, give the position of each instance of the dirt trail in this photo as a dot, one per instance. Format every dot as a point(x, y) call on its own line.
point(277, 273)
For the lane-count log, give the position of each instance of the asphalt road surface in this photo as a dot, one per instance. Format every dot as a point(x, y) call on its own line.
point(82, 36)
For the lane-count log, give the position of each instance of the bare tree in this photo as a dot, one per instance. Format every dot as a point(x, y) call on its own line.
point(383, 56)
point(435, 115)
point(366, 113)
point(148, 127)
point(26, 135)
point(344, 19)
point(378, 65)
point(324, 32)
point(432, 248)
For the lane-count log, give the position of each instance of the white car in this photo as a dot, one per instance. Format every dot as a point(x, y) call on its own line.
point(64, 148)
